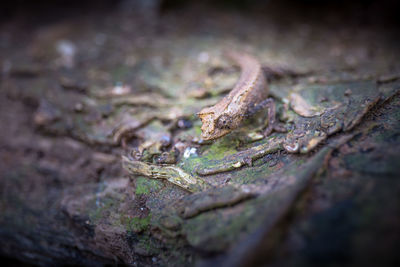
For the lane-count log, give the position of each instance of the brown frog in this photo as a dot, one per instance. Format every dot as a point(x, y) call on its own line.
point(247, 97)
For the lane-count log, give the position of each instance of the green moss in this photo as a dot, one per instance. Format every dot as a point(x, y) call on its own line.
point(137, 224)
point(251, 175)
point(145, 185)
point(220, 148)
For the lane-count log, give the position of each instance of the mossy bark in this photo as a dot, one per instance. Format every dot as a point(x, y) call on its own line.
point(85, 95)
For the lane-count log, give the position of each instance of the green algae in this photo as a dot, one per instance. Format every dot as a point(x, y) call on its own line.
point(137, 224)
point(145, 186)
point(221, 148)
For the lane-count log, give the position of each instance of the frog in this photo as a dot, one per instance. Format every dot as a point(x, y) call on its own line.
point(248, 96)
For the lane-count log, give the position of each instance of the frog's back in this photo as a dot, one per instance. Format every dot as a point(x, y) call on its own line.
point(251, 87)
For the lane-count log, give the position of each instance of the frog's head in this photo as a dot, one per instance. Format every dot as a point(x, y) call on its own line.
point(214, 126)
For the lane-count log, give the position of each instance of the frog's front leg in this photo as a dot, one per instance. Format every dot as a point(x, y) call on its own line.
point(273, 125)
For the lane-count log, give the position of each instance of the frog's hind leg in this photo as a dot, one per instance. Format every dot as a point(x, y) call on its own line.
point(273, 125)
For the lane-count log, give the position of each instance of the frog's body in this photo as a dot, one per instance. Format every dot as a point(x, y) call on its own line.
point(250, 91)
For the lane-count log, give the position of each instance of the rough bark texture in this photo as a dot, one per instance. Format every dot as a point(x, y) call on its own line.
point(80, 91)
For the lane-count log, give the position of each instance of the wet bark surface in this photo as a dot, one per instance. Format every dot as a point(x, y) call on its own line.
point(102, 160)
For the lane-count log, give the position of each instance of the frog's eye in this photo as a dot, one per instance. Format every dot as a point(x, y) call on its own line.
point(224, 122)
